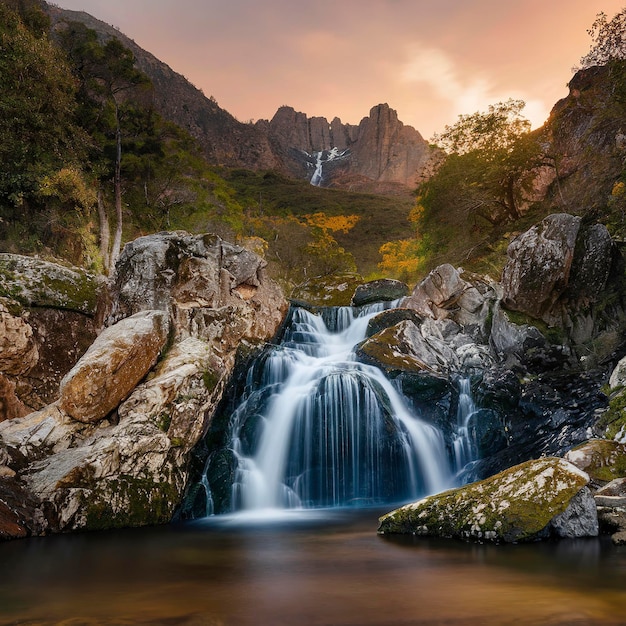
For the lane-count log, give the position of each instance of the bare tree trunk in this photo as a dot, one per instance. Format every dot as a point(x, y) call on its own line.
point(105, 232)
point(117, 182)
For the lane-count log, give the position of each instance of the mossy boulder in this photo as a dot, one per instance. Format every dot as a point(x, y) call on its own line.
point(603, 459)
point(34, 282)
point(389, 318)
point(528, 502)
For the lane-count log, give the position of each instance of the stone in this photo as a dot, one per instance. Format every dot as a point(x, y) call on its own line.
point(34, 282)
point(389, 318)
point(535, 500)
point(539, 265)
point(403, 348)
point(108, 372)
point(382, 290)
point(618, 375)
point(18, 350)
point(603, 459)
point(10, 405)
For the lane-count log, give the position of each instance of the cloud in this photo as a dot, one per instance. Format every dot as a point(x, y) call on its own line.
point(464, 91)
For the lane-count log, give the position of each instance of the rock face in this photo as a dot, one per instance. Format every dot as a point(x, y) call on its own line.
point(48, 318)
point(381, 153)
point(555, 266)
point(382, 290)
point(381, 149)
point(113, 450)
point(535, 500)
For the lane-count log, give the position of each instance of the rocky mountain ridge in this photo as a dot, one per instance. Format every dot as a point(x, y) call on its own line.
point(384, 154)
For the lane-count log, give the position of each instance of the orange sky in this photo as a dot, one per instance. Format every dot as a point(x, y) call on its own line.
point(431, 60)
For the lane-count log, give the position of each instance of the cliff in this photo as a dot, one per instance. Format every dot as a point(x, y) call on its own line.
point(380, 154)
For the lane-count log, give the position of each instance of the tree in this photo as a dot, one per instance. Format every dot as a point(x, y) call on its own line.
point(37, 103)
point(109, 89)
point(489, 165)
point(609, 40)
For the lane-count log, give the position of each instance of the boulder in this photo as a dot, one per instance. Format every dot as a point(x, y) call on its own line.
point(389, 318)
point(403, 348)
point(557, 267)
point(539, 265)
point(452, 293)
point(33, 282)
point(18, 350)
point(603, 459)
point(535, 500)
point(113, 366)
point(382, 290)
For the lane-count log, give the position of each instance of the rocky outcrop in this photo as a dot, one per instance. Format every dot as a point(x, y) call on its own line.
point(113, 366)
point(48, 318)
point(381, 149)
point(556, 268)
point(535, 500)
point(114, 449)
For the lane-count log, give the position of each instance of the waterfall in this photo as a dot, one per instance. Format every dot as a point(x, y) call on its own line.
point(323, 157)
point(316, 428)
point(463, 449)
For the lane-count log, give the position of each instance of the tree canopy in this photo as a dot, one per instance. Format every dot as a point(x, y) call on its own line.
point(609, 40)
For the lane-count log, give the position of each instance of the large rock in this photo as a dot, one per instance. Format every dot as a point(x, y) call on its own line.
point(34, 282)
point(404, 348)
point(450, 293)
point(87, 471)
point(604, 460)
point(211, 289)
point(113, 366)
point(556, 267)
point(535, 500)
point(382, 290)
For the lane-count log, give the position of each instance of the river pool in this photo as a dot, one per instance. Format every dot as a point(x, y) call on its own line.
point(323, 567)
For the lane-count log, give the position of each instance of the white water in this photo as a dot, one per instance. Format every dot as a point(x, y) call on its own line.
point(333, 431)
point(463, 449)
point(322, 157)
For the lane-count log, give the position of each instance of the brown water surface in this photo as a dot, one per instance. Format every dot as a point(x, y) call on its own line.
point(324, 568)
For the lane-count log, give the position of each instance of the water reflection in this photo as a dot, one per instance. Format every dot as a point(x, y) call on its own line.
point(321, 568)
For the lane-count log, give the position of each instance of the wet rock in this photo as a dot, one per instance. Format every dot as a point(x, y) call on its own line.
point(487, 432)
point(535, 500)
point(403, 348)
point(383, 290)
point(115, 363)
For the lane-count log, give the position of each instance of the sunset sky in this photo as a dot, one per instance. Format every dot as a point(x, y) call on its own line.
point(431, 60)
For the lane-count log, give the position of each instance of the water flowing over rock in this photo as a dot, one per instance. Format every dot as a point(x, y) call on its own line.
point(535, 500)
point(114, 449)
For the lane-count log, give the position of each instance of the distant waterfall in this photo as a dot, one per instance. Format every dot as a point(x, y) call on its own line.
point(315, 428)
point(323, 157)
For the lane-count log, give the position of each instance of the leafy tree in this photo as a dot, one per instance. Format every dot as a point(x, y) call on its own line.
point(110, 95)
point(489, 165)
point(36, 108)
point(609, 40)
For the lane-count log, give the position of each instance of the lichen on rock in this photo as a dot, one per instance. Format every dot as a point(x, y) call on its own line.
point(527, 502)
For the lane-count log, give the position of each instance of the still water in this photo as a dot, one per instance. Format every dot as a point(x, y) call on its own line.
point(322, 567)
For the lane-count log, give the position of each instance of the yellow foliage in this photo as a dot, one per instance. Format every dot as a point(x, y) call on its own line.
point(332, 223)
point(70, 187)
point(618, 189)
point(401, 258)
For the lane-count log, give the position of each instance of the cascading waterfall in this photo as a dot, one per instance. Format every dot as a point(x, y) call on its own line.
point(316, 428)
point(463, 449)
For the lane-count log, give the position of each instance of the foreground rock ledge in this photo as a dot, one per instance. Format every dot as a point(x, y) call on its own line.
point(532, 501)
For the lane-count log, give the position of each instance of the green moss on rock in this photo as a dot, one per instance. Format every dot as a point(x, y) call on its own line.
point(514, 506)
point(33, 282)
